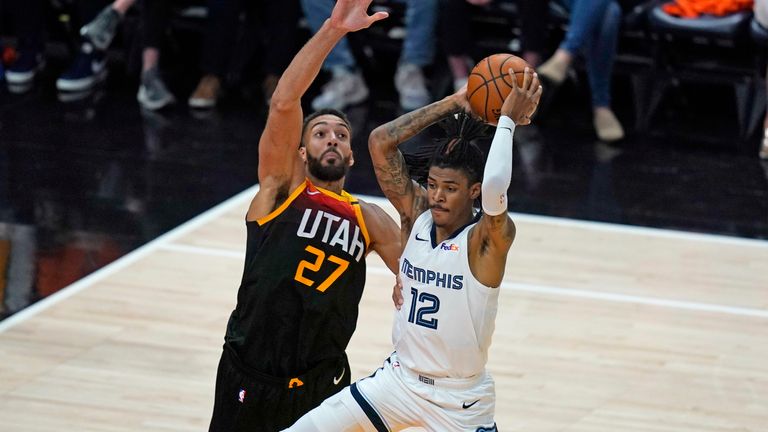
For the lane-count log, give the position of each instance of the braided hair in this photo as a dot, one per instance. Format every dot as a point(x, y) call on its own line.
point(456, 150)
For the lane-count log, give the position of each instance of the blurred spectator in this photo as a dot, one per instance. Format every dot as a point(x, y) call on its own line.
point(27, 19)
point(279, 20)
point(593, 31)
point(155, 17)
point(456, 36)
point(18, 247)
point(761, 15)
point(89, 66)
point(534, 16)
point(347, 86)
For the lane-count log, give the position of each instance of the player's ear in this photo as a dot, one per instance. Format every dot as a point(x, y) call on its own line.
point(475, 189)
point(351, 158)
point(303, 153)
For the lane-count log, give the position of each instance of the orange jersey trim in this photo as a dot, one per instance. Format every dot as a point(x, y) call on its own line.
point(276, 212)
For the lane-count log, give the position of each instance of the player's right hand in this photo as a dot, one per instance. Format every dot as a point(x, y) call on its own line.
point(352, 15)
point(461, 99)
point(522, 101)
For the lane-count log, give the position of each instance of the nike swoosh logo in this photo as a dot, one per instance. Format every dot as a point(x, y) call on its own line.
point(465, 405)
point(309, 192)
point(420, 239)
point(336, 381)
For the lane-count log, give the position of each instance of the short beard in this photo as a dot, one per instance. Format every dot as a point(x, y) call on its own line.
point(327, 172)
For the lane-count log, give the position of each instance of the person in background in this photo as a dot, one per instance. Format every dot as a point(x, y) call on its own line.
point(593, 32)
point(89, 66)
point(347, 86)
point(761, 15)
point(278, 19)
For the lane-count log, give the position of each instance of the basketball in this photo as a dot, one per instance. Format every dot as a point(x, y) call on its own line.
point(489, 84)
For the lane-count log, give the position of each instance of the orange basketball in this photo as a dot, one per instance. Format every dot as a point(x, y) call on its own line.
point(489, 84)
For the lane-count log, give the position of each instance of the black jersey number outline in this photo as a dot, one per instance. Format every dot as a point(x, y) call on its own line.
point(416, 316)
point(315, 266)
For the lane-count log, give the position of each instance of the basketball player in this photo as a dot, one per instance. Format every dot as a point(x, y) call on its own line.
point(297, 305)
point(451, 267)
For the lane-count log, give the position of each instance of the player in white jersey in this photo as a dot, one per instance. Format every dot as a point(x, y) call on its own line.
point(451, 267)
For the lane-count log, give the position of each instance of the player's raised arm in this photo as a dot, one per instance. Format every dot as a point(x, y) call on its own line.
point(282, 134)
point(495, 232)
point(408, 197)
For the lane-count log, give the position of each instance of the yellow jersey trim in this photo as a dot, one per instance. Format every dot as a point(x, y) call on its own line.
point(361, 222)
point(276, 212)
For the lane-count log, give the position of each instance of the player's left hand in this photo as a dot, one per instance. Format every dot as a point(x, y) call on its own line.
point(522, 101)
point(397, 293)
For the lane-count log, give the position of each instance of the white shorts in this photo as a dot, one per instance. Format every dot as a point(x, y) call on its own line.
point(394, 398)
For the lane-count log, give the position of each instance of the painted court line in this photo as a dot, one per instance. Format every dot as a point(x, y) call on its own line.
point(533, 288)
point(128, 259)
point(243, 197)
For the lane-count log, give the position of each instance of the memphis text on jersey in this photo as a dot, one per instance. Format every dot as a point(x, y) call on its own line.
point(431, 277)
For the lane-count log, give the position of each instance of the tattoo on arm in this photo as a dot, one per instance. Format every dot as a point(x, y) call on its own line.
point(393, 177)
point(408, 125)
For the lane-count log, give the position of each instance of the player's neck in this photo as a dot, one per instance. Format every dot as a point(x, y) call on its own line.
point(334, 186)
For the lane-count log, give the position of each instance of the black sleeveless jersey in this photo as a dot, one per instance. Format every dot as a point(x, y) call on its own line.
point(303, 279)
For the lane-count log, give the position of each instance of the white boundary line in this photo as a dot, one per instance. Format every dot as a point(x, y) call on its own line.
point(536, 289)
point(642, 231)
point(128, 259)
point(618, 228)
point(236, 200)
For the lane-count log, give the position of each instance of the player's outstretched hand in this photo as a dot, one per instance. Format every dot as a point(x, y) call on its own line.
point(352, 15)
point(523, 100)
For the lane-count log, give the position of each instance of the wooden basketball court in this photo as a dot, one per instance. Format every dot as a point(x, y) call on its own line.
point(600, 328)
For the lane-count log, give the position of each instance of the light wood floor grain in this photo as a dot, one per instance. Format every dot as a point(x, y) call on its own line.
point(600, 328)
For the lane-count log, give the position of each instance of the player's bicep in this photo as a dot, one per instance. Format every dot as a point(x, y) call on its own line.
point(384, 235)
point(497, 233)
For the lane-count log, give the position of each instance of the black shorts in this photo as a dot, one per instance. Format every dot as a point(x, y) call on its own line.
point(248, 400)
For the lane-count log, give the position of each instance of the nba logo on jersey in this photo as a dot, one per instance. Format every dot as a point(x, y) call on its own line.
point(449, 247)
point(241, 396)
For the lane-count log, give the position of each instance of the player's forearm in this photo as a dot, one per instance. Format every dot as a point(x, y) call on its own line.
point(498, 169)
point(303, 70)
point(385, 138)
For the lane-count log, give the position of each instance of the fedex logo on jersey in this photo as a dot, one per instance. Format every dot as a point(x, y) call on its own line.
point(449, 247)
point(427, 276)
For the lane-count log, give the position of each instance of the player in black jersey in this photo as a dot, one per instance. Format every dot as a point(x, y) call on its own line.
point(297, 305)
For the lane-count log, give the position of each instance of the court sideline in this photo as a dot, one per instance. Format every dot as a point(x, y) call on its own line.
point(601, 328)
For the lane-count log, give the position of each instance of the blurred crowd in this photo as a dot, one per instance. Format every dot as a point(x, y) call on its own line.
point(432, 29)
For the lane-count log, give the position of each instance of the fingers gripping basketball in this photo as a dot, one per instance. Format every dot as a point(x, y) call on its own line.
point(489, 84)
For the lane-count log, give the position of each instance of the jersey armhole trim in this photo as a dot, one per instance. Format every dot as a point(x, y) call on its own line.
point(276, 212)
point(359, 213)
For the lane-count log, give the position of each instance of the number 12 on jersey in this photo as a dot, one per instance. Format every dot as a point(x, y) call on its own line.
point(428, 304)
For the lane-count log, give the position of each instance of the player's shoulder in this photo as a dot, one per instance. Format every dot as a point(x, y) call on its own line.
point(375, 216)
point(370, 209)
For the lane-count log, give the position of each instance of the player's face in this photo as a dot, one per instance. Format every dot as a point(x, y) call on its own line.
point(328, 149)
point(450, 196)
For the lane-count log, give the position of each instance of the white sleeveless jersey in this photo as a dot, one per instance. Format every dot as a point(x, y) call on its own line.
point(445, 325)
